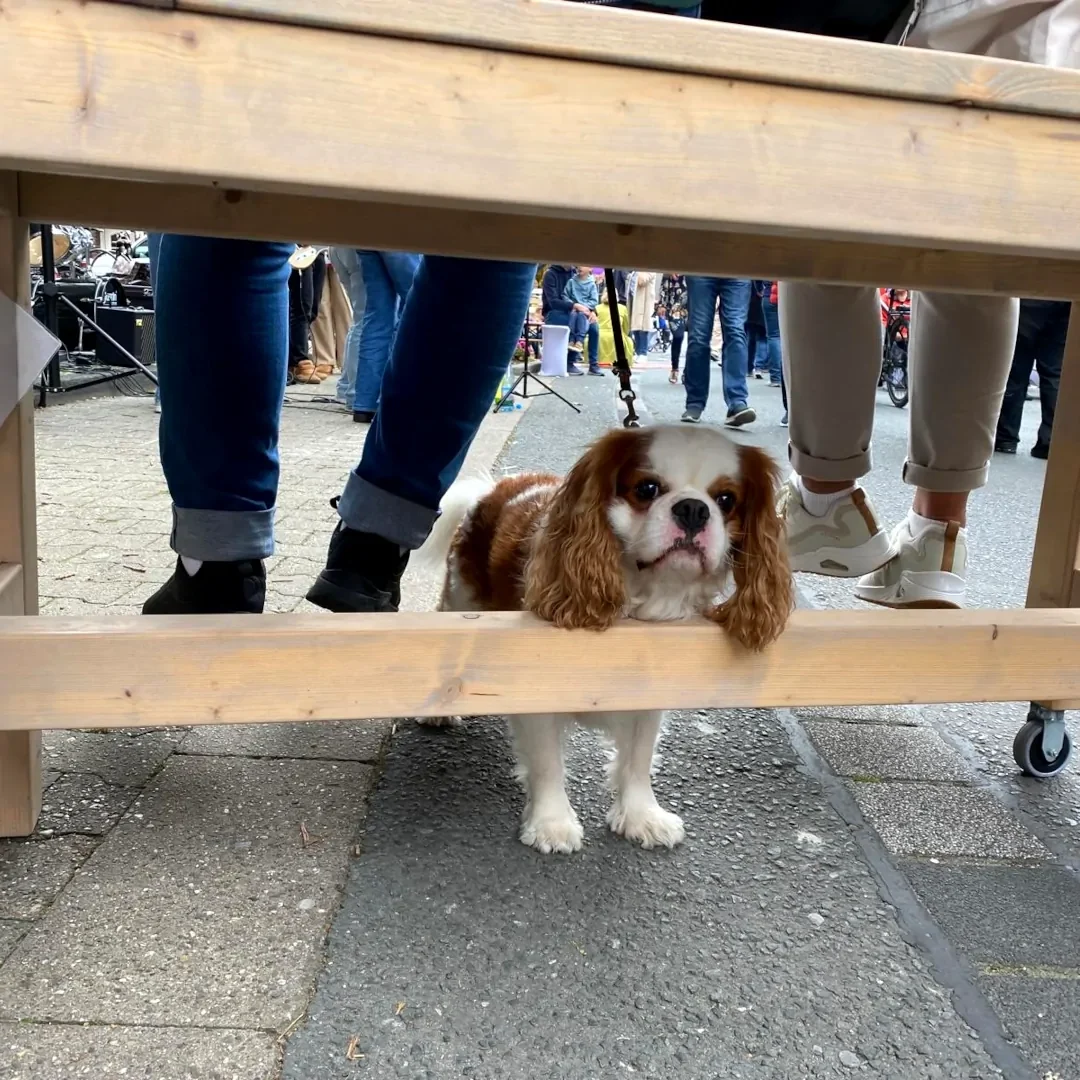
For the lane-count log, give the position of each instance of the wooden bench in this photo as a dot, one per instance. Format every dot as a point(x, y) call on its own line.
point(713, 149)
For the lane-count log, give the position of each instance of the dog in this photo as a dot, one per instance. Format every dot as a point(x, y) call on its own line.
point(657, 524)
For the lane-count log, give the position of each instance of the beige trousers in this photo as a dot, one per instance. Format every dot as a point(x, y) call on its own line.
point(960, 349)
point(331, 325)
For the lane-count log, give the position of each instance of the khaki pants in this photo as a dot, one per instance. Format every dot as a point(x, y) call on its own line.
point(331, 325)
point(959, 353)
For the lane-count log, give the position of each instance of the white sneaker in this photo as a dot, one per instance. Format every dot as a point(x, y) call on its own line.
point(846, 541)
point(928, 570)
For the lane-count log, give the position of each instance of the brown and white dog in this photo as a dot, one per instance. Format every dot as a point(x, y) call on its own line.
point(655, 524)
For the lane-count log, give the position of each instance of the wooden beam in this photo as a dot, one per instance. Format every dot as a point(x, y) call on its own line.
point(200, 210)
point(20, 750)
point(232, 669)
point(1055, 566)
point(445, 125)
point(668, 44)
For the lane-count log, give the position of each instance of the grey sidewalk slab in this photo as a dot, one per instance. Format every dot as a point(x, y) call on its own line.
point(1041, 1016)
point(118, 757)
point(459, 952)
point(885, 751)
point(68, 1052)
point(1003, 915)
point(11, 930)
point(32, 872)
point(916, 818)
point(83, 803)
point(344, 740)
point(216, 898)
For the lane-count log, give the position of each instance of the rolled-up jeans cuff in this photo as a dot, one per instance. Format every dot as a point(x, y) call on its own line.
point(945, 480)
point(834, 470)
point(222, 535)
point(368, 508)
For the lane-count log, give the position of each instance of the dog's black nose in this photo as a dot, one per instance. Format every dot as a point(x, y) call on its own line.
point(691, 514)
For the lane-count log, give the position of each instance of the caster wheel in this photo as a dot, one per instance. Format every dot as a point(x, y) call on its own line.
point(1028, 752)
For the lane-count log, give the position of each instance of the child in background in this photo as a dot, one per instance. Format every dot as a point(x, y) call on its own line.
point(582, 292)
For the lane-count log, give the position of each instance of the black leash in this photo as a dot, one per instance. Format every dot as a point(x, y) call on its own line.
point(621, 367)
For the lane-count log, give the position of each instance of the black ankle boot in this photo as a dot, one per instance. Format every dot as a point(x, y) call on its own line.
point(217, 588)
point(363, 573)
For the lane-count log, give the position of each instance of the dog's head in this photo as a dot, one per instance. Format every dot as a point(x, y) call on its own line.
point(656, 523)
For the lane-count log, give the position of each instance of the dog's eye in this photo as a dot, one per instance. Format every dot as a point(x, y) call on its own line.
point(726, 501)
point(647, 490)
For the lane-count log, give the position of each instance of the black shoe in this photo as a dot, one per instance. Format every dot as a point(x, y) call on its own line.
point(597, 371)
point(362, 416)
point(1004, 447)
point(363, 573)
point(573, 369)
point(691, 416)
point(217, 588)
point(1041, 451)
point(738, 415)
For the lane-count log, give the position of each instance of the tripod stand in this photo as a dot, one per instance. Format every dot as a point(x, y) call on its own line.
point(523, 381)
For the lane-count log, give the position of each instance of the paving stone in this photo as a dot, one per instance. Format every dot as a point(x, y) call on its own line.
point(65, 1052)
point(203, 906)
point(1040, 1015)
point(83, 803)
point(885, 751)
point(342, 740)
point(11, 932)
point(114, 756)
point(903, 715)
point(944, 819)
point(1003, 914)
point(32, 872)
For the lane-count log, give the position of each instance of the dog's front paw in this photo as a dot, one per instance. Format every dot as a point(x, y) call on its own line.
point(649, 824)
point(440, 721)
point(553, 832)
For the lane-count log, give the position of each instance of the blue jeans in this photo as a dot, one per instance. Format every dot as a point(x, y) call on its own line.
point(734, 297)
point(347, 263)
point(219, 452)
point(387, 278)
point(641, 342)
point(592, 332)
point(772, 329)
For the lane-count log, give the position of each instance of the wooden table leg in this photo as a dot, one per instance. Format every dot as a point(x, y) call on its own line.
point(20, 751)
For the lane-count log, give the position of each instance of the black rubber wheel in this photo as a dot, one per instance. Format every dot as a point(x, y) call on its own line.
point(896, 384)
point(1028, 753)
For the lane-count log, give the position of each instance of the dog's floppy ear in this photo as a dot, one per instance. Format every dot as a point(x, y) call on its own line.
point(574, 575)
point(758, 610)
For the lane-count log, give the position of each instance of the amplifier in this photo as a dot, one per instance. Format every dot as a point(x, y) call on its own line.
point(131, 327)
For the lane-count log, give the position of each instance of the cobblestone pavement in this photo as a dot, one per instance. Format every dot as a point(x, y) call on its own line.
point(869, 892)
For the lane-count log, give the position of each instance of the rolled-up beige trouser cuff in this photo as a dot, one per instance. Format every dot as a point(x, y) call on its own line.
point(836, 469)
point(945, 480)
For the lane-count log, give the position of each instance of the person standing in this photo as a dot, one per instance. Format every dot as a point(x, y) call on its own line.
point(641, 311)
point(1040, 340)
point(757, 348)
point(388, 277)
point(346, 262)
point(673, 297)
point(733, 296)
point(770, 307)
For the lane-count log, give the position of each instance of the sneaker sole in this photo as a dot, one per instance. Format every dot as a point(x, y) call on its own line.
point(331, 597)
point(845, 562)
point(690, 419)
point(930, 589)
point(741, 419)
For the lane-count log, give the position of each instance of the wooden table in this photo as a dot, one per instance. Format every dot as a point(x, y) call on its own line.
point(441, 127)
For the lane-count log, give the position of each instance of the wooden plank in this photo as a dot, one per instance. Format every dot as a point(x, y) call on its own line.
point(20, 750)
point(672, 44)
point(443, 125)
point(233, 669)
point(1055, 566)
point(189, 208)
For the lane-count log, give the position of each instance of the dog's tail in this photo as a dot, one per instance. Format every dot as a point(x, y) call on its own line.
point(456, 505)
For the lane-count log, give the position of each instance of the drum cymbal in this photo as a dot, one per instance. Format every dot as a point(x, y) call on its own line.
point(61, 245)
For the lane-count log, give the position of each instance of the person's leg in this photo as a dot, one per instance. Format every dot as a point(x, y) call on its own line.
point(773, 346)
point(831, 344)
point(959, 355)
point(1048, 360)
point(401, 267)
point(701, 293)
point(594, 348)
point(227, 298)
point(579, 326)
point(347, 262)
point(734, 296)
point(1011, 416)
point(677, 335)
point(425, 423)
point(376, 334)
